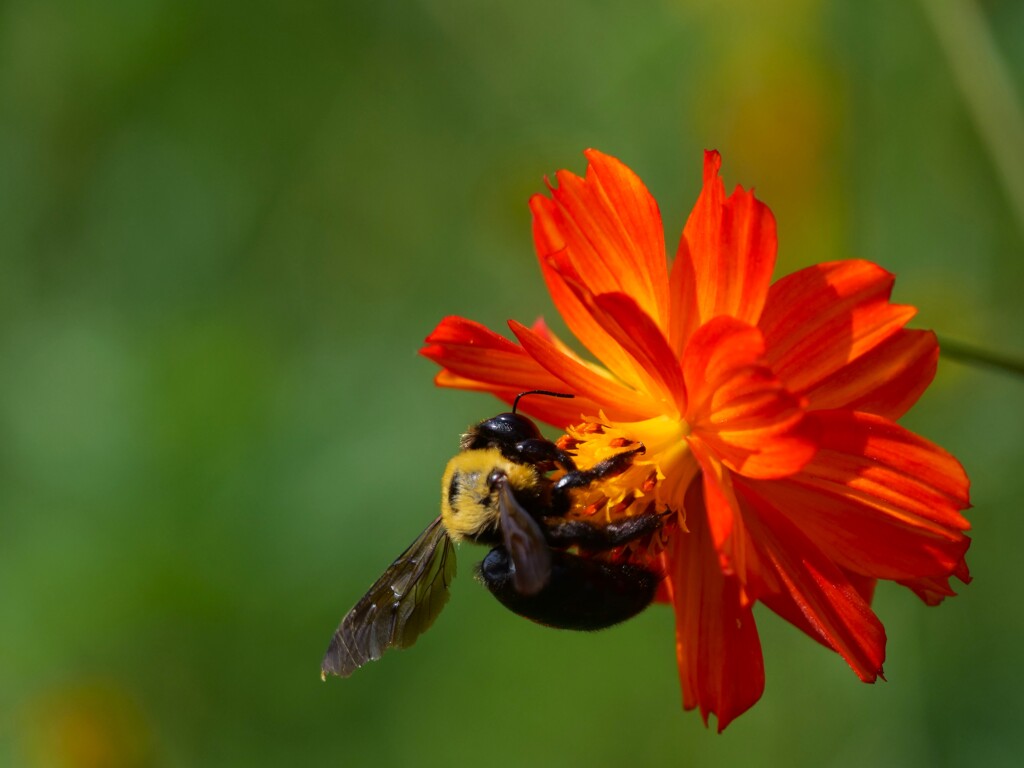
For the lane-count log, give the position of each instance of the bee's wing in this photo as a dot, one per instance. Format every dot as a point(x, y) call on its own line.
point(525, 543)
point(399, 607)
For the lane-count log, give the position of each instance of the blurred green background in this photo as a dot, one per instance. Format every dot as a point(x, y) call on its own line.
point(225, 229)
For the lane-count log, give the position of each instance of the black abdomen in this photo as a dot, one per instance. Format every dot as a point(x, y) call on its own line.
point(582, 594)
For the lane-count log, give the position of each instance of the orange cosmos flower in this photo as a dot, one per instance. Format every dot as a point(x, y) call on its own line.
point(768, 413)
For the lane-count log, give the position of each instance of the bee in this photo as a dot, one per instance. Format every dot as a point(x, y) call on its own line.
point(496, 491)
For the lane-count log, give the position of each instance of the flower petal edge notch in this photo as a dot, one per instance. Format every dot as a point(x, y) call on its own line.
point(768, 412)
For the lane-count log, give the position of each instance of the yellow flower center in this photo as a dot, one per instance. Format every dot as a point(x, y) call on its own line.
point(656, 480)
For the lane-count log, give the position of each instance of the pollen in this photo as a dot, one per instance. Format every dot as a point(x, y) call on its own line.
point(643, 486)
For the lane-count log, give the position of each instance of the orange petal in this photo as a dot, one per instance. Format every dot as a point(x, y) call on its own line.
point(557, 271)
point(639, 335)
point(886, 380)
point(815, 588)
point(541, 328)
point(717, 648)
point(783, 606)
point(737, 408)
point(727, 253)
point(819, 322)
point(620, 403)
point(555, 411)
point(934, 589)
point(634, 332)
point(864, 585)
point(476, 358)
point(724, 525)
point(472, 351)
point(611, 229)
point(877, 499)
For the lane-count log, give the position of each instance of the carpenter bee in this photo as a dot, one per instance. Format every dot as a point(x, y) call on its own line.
point(496, 491)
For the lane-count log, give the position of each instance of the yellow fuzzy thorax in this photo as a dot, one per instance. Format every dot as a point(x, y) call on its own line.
point(472, 511)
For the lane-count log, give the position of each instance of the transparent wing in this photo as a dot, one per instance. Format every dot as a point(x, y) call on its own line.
point(398, 608)
point(525, 543)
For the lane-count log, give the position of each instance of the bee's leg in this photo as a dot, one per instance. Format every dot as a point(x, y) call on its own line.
point(534, 451)
point(581, 478)
point(563, 533)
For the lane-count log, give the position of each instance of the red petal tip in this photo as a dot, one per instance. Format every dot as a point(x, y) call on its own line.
point(712, 164)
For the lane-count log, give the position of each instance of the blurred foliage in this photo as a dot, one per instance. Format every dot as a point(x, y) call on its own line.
point(226, 227)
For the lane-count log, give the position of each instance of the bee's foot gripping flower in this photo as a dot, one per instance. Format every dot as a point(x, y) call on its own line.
point(767, 413)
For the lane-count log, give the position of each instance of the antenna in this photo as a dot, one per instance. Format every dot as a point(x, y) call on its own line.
point(515, 403)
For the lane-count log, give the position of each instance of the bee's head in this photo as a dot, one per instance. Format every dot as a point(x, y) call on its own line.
point(501, 431)
point(506, 429)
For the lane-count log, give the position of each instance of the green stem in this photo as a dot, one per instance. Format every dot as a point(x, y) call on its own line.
point(970, 355)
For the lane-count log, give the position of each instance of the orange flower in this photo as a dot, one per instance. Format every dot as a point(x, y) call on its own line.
point(767, 412)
